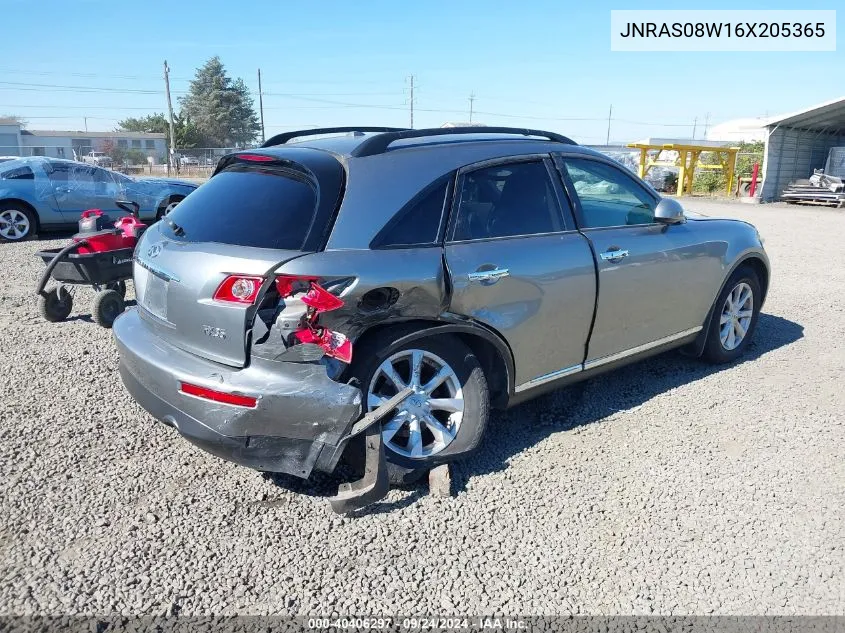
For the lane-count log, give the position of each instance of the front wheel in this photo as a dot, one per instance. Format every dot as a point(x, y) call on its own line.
point(17, 223)
point(734, 317)
point(108, 305)
point(446, 415)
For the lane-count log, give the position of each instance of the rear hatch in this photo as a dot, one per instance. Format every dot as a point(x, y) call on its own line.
point(258, 211)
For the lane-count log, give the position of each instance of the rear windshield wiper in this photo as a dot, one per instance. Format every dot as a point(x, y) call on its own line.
point(178, 231)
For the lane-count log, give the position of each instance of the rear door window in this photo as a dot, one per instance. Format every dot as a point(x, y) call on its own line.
point(265, 208)
point(507, 200)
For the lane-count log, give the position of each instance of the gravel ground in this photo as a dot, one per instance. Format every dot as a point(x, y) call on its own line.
point(666, 487)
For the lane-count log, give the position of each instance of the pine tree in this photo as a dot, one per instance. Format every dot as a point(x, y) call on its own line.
point(220, 108)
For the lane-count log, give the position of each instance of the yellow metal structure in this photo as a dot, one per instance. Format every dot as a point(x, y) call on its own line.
point(688, 155)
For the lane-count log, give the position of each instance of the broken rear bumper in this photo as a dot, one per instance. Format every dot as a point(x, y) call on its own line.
point(298, 425)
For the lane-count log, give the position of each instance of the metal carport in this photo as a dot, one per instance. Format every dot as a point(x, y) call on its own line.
point(798, 143)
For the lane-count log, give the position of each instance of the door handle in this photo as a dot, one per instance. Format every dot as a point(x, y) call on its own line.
point(62, 189)
point(614, 255)
point(489, 275)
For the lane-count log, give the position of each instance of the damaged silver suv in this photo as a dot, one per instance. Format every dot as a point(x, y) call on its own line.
point(417, 277)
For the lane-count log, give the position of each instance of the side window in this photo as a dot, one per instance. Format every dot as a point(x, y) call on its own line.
point(59, 173)
point(418, 222)
point(608, 196)
point(104, 184)
point(506, 200)
point(19, 173)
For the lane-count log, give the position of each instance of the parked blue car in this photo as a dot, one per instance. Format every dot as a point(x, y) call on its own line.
point(43, 194)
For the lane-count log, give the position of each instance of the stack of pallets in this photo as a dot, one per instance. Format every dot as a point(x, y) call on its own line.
point(819, 189)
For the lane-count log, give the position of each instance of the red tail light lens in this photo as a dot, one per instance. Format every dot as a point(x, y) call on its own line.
point(334, 344)
point(218, 396)
point(321, 299)
point(238, 289)
point(286, 283)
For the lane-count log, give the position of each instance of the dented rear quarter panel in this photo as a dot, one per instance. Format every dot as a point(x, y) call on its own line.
point(413, 278)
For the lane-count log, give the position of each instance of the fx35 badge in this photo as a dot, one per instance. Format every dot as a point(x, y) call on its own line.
point(214, 332)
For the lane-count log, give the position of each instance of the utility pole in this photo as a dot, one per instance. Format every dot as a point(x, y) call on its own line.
point(411, 100)
point(609, 117)
point(706, 124)
point(172, 149)
point(471, 100)
point(694, 124)
point(85, 118)
point(261, 105)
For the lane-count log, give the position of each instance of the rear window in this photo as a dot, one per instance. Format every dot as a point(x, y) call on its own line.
point(18, 173)
point(266, 208)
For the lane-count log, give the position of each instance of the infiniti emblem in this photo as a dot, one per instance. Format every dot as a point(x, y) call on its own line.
point(155, 249)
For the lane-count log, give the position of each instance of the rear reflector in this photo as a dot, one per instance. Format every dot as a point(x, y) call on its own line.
point(218, 396)
point(238, 289)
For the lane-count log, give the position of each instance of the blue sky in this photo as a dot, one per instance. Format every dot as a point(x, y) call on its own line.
point(537, 63)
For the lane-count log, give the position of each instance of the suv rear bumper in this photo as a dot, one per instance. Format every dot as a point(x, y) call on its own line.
point(298, 424)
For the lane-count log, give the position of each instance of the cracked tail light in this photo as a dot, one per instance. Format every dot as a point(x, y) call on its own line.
point(318, 300)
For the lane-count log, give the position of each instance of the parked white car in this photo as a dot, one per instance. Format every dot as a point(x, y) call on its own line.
point(100, 159)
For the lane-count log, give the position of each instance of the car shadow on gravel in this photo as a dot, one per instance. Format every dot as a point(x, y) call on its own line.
point(512, 431)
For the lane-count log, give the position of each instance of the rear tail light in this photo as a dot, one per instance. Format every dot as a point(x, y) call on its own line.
point(238, 289)
point(288, 284)
point(244, 289)
point(318, 300)
point(218, 396)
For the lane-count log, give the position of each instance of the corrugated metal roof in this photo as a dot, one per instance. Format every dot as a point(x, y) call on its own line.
point(825, 116)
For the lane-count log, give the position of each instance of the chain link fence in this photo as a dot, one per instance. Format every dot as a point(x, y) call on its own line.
point(195, 163)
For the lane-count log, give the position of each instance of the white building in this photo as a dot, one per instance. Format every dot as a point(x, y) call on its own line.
point(739, 130)
point(16, 141)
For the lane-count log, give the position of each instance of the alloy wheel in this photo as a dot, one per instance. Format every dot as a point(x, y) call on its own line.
point(14, 225)
point(428, 420)
point(735, 318)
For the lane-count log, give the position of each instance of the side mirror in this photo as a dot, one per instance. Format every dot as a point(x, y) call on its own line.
point(669, 211)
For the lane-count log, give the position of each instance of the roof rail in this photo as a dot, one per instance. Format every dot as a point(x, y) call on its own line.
point(379, 144)
point(284, 137)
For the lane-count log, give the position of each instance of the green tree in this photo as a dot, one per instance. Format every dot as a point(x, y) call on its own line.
point(221, 108)
point(187, 134)
point(151, 123)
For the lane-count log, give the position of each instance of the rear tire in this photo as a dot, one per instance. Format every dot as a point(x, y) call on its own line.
point(108, 305)
point(734, 319)
point(168, 206)
point(465, 388)
point(52, 307)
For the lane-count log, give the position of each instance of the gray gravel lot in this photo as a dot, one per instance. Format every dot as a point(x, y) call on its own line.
point(666, 487)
